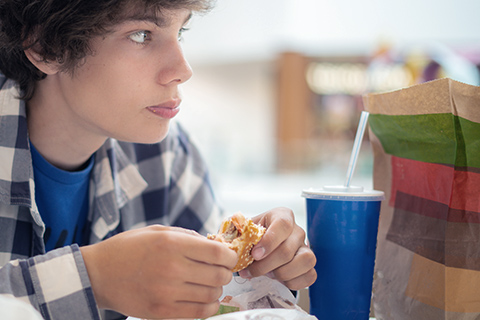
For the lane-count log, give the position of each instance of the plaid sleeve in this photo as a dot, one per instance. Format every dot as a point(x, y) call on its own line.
point(55, 283)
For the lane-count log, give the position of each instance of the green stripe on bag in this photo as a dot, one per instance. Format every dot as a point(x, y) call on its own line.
point(434, 138)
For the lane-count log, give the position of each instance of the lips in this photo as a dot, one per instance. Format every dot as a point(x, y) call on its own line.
point(166, 110)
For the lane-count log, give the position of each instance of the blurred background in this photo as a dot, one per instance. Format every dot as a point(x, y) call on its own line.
point(277, 89)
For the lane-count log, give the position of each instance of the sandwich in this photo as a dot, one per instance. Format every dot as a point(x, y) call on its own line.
point(239, 234)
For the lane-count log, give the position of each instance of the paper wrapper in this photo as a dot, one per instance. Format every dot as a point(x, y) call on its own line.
point(426, 144)
point(260, 292)
point(265, 314)
point(258, 298)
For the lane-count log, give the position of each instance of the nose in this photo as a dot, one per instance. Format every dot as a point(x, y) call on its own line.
point(176, 69)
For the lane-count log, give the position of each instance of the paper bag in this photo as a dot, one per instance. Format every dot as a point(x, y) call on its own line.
point(426, 144)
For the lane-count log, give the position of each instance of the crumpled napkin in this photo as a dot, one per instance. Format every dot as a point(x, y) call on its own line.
point(265, 314)
point(258, 298)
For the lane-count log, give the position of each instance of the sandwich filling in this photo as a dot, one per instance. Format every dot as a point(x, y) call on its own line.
point(239, 234)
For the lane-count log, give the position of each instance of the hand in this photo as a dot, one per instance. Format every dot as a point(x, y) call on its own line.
point(282, 253)
point(159, 272)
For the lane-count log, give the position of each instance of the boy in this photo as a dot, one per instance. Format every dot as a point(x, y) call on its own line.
point(99, 195)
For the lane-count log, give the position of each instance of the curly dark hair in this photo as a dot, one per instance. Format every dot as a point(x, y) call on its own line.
point(61, 30)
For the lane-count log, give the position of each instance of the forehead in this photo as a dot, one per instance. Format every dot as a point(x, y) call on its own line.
point(160, 16)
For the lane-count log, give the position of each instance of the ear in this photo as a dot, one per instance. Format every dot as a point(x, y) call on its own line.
point(47, 67)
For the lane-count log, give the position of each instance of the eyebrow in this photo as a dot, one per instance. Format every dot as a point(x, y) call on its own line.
point(160, 21)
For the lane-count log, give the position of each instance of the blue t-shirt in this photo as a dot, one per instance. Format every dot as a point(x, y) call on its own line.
point(62, 199)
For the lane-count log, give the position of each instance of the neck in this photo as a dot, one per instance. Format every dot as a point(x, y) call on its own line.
point(55, 133)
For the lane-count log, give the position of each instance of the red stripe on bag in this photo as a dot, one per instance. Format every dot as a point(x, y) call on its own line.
point(458, 189)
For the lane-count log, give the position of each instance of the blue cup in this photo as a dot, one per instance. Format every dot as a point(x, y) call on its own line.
point(342, 226)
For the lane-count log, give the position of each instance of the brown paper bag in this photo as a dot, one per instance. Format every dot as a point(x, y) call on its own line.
point(426, 144)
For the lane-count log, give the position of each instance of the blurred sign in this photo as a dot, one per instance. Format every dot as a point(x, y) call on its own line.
point(356, 78)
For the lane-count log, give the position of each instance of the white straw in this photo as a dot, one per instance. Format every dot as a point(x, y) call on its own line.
point(362, 124)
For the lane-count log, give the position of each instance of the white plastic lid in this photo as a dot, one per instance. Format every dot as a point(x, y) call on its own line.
point(352, 193)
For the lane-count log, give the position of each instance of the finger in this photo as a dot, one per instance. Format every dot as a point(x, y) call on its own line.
point(302, 281)
point(187, 310)
point(200, 294)
point(280, 224)
point(207, 251)
point(301, 264)
point(196, 310)
point(181, 300)
point(282, 255)
point(209, 275)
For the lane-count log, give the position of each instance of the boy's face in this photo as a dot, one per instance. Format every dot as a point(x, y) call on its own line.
point(128, 89)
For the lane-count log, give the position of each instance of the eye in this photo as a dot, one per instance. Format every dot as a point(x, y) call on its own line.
point(140, 37)
point(180, 33)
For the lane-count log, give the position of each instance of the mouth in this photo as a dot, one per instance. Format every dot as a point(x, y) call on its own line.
point(166, 110)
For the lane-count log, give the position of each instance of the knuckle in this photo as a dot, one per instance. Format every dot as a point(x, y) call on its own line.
point(287, 211)
point(202, 311)
point(166, 239)
point(221, 277)
point(287, 252)
point(310, 277)
point(155, 227)
point(301, 234)
point(218, 251)
point(213, 294)
point(302, 281)
point(227, 277)
point(294, 285)
point(285, 224)
point(281, 275)
point(308, 258)
point(224, 255)
point(312, 260)
point(159, 309)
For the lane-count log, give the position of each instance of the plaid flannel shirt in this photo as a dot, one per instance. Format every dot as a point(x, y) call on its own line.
point(132, 185)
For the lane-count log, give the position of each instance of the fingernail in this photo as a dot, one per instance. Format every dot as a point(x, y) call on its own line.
point(245, 274)
point(270, 275)
point(257, 253)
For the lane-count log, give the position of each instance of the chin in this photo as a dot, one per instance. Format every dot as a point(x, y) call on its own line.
point(150, 138)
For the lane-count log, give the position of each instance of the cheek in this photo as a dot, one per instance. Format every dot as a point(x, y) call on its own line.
point(119, 74)
point(109, 88)
point(111, 96)
point(99, 101)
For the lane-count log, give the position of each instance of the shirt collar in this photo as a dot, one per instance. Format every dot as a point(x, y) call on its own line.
point(116, 181)
point(16, 172)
